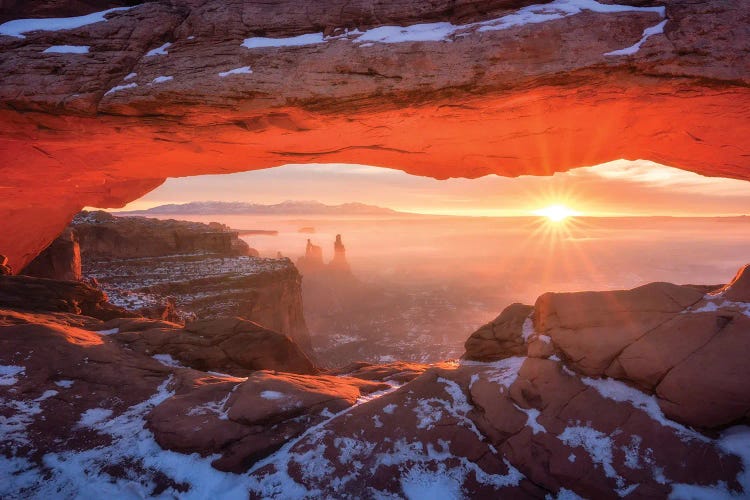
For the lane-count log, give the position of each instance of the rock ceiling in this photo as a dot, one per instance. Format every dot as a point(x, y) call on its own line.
point(97, 108)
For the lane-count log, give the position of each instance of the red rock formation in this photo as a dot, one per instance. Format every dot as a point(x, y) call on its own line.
point(531, 98)
point(739, 288)
point(5, 269)
point(502, 337)
point(59, 261)
point(671, 341)
point(312, 261)
point(105, 236)
point(529, 427)
point(40, 294)
point(339, 264)
point(227, 345)
point(259, 416)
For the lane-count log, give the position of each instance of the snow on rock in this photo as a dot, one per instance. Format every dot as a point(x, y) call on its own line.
point(244, 70)
point(714, 303)
point(389, 408)
point(161, 79)
point(217, 407)
point(528, 328)
point(565, 494)
point(272, 395)
point(503, 372)
point(167, 360)
point(159, 51)
point(736, 441)
point(447, 32)
point(532, 415)
point(73, 474)
point(18, 27)
point(597, 444)
point(67, 49)
point(15, 417)
point(19, 415)
point(557, 9)
point(431, 473)
point(621, 392)
point(648, 32)
point(111, 331)
point(94, 416)
point(427, 32)
point(294, 41)
point(65, 384)
point(8, 374)
point(118, 88)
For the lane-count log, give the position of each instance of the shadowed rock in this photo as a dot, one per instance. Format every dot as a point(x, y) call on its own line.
point(42, 294)
point(228, 345)
point(61, 260)
point(502, 337)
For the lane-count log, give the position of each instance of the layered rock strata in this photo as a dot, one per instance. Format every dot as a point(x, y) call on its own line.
point(102, 112)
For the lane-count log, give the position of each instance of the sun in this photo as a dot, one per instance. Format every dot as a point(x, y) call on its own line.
point(556, 213)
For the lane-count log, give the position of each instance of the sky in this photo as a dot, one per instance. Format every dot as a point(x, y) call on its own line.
point(634, 188)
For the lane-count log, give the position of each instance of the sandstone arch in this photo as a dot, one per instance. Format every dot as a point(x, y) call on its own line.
point(78, 129)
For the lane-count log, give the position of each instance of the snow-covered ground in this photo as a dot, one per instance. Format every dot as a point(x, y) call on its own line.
point(133, 465)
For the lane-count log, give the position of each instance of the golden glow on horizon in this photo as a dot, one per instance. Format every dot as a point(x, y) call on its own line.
point(556, 213)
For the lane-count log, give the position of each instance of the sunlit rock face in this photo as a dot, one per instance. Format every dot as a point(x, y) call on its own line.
point(101, 113)
point(684, 346)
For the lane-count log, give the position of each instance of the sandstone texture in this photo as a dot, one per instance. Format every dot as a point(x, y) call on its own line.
point(739, 288)
point(174, 88)
point(228, 345)
point(686, 348)
point(501, 338)
point(128, 405)
point(105, 236)
point(181, 270)
point(61, 260)
point(42, 294)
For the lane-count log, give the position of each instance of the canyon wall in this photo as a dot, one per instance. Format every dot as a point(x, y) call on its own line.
point(201, 270)
point(442, 89)
point(103, 235)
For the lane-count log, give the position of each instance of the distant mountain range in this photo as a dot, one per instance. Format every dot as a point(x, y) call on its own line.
point(288, 207)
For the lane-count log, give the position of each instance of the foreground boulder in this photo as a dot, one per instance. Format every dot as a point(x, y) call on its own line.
point(61, 260)
point(41, 294)
point(228, 345)
point(518, 428)
point(501, 338)
point(244, 421)
point(685, 348)
point(592, 328)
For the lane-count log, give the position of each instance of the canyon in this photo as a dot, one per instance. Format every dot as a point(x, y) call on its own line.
point(441, 89)
point(94, 402)
point(179, 270)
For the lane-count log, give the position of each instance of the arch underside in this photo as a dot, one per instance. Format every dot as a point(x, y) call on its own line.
point(530, 99)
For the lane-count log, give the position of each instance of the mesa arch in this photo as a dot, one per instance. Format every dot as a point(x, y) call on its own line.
point(444, 89)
